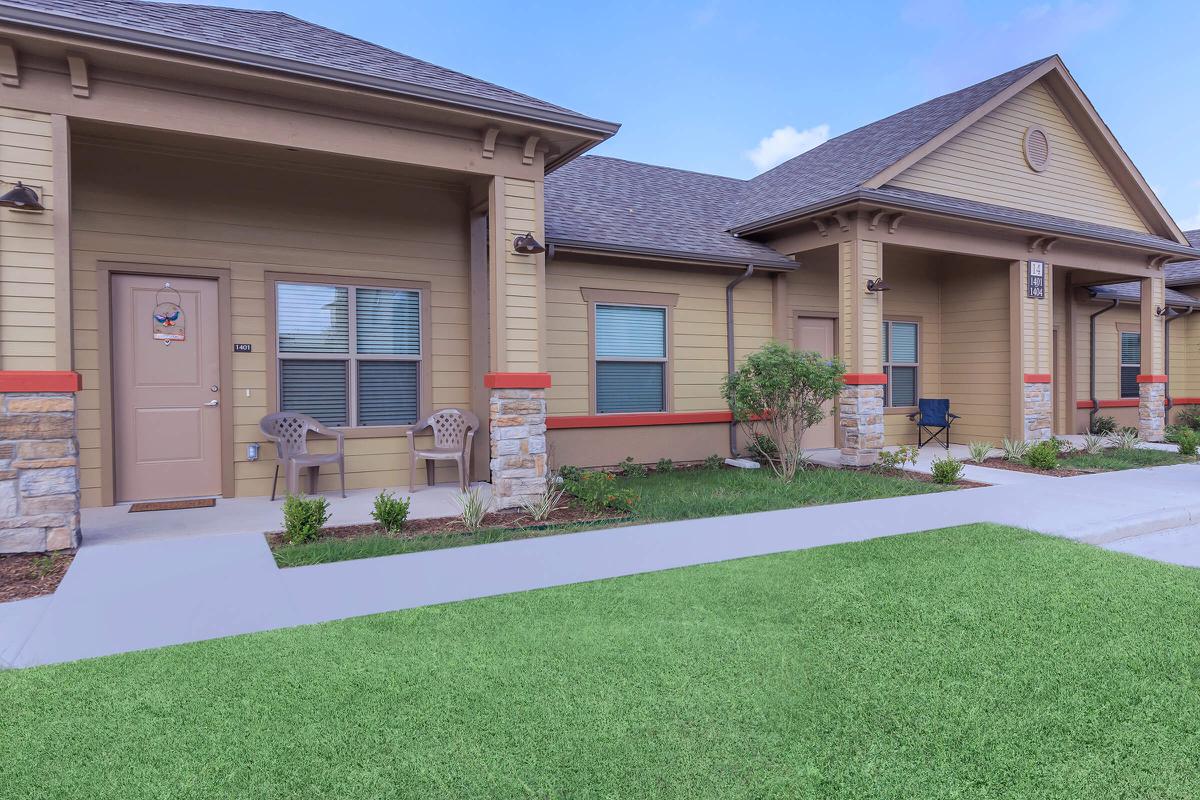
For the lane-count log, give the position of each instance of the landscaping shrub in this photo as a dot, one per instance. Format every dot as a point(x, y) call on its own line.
point(947, 470)
point(540, 507)
point(1103, 426)
point(1043, 455)
point(1124, 438)
point(303, 518)
point(569, 473)
point(980, 450)
point(631, 469)
point(664, 465)
point(1188, 440)
point(763, 448)
point(473, 507)
point(714, 462)
point(390, 511)
point(1093, 445)
point(597, 492)
point(896, 459)
point(780, 393)
point(1014, 450)
point(1189, 417)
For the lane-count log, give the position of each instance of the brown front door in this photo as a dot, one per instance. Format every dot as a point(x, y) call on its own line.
point(816, 333)
point(167, 417)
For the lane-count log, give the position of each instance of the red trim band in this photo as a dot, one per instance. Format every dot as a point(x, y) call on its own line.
point(1151, 378)
point(1185, 401)
point(1037, 377)
point(636, 420)
point(517, 380)
point(864, 379)
point(1124, 402)
point(39, 381)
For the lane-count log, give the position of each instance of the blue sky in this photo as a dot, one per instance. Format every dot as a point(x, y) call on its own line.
point(700, 85)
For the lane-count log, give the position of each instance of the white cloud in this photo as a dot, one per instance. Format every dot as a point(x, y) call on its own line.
point(785, 143)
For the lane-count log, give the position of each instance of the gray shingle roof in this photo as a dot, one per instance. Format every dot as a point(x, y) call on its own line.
point(843, 164)
point(279, 36)
point(1133, 291)
point(625, 205)
point(1186, 272)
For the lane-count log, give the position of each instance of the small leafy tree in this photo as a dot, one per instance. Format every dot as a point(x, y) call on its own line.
point(780, 393)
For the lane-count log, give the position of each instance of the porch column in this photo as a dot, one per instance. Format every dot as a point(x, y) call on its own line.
point(1152, 382)
point(517, 381)
point(860, 408)
point(1031, 333)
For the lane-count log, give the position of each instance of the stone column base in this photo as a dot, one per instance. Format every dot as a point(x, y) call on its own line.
point(517, 420)
point(860, 412)
point(39, 472)
point(1037, 418)
point(1152, 411)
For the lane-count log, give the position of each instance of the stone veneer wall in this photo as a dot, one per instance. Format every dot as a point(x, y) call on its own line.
point(860, 409)
point(518, 431)
point(1152, 414)
point(1039, 412)
point(39, 472)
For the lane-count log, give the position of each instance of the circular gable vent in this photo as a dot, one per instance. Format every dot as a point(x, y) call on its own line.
point(1037, 148)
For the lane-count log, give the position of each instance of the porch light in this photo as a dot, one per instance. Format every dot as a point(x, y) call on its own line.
point(877, 285)
point(526, 245)
point(21, 197)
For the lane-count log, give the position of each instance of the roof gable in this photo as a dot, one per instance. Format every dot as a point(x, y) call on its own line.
point(987, 162)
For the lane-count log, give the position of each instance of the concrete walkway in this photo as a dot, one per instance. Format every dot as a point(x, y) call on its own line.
point(122, 597)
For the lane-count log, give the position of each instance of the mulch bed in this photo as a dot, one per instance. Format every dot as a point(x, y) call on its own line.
point(24, 575)
point(1058, 472)
point(920, 476)
point(511, 519)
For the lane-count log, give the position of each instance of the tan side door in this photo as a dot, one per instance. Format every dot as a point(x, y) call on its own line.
point(166, 412)
point(816, 333)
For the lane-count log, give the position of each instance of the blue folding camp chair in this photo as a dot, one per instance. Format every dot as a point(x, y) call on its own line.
point(933, 419)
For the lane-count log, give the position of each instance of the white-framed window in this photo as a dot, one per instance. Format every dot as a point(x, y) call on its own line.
point(631, 358)
point(901, 363)
point(1131, 362)
point(350, 356)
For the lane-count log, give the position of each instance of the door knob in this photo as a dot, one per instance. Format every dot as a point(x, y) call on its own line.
point(212, 402)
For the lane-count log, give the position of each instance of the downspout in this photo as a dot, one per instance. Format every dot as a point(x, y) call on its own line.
point(1167, 352)
point(1092, 362)
point(729, 345)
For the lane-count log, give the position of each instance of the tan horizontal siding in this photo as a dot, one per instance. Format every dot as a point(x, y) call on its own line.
point(152, 208)
point(28, 323)
point(986, 162)
point(976, 366)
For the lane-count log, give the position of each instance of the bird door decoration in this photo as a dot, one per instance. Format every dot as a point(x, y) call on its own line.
point(170, 325)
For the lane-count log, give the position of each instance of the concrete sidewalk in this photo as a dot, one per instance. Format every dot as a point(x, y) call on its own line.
point(123, 597)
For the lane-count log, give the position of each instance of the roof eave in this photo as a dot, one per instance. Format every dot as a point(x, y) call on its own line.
point(1098, 293)
point(59, 23)
point(602, 248)
point(912, 204)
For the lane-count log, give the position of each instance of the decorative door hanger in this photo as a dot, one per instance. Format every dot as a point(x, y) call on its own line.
point(169, 322)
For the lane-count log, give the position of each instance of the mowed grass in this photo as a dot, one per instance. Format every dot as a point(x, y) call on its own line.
point(976, 662)
point(1129, 458)
point(680, 494)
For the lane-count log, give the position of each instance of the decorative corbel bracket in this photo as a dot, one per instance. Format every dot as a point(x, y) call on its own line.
point(843, 220)
point(10, 72)
point(876, 217)
point(1043, 243)
point(489, 142)
point(530, 149)
point(894, 223)
point(80, 85)
point(1157, 262)
point(821, 226)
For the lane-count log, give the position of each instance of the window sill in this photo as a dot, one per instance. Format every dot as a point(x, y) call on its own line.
point(380, 432)
point(896, 410)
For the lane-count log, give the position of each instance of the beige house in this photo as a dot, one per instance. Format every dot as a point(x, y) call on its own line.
point(335, 224)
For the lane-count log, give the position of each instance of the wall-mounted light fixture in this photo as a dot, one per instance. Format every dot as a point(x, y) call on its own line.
point(22, 198)
point(877, 285)
point(526, 245)
point(1160, 311)
point(252, 451)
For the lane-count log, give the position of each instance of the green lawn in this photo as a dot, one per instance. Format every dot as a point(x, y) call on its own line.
point(682, 494)
point(1123, 459)
point(977, 662)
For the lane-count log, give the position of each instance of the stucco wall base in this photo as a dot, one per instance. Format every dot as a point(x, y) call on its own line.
point(39, 473)
point(604, 447)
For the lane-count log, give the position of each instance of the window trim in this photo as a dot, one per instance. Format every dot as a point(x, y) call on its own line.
point(638, 299)
point(886, 364)
point(271, 280)
point(1122, 329)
